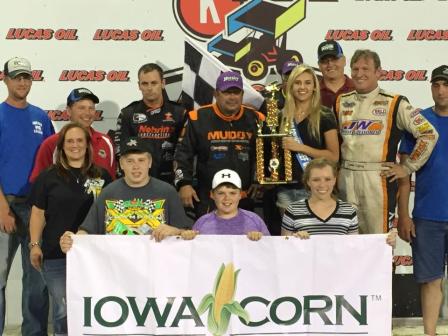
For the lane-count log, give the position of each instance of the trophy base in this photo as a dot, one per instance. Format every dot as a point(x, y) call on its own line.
point(268, 182)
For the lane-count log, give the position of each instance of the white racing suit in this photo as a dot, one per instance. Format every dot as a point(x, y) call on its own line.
point(370, 126)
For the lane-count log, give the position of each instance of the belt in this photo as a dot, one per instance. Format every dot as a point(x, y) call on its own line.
point(14, 198)
point(356, 165)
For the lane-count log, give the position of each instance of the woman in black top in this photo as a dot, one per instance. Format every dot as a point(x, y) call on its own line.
point(313, 129)
point(60, 198)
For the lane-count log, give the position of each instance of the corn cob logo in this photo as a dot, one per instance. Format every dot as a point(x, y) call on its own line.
point(220, 304)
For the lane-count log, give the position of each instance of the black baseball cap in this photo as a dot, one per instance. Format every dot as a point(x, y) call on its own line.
point(134, 145)
point(80, 94)
point(327, 48)
point(440, 72)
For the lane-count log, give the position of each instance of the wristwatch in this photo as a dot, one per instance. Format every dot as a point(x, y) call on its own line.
point(32, 244)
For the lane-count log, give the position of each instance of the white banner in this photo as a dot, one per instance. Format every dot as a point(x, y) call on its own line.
point(228, 285)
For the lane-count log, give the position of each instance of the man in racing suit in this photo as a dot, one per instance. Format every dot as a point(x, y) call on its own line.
point(370, 123)
point(220, 135)
point(155, 119)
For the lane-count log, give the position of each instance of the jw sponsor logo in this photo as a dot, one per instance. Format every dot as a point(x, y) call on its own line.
point(362, 127)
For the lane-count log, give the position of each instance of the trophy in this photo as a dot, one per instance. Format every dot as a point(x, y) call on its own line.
point(269, 137)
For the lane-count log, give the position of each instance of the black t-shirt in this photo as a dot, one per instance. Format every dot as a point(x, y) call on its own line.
point(327, 122)
point(66, 203)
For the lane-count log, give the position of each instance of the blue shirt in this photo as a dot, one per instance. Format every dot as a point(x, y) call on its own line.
point(431, 182)
point(22, 130)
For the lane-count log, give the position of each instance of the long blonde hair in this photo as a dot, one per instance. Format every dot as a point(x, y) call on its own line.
point(316, 112)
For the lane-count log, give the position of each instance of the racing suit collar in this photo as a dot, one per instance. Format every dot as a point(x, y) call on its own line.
point(221, 115)
point(154, 107)
point(363, 96)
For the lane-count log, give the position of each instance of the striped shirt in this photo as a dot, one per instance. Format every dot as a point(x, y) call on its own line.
point(300, 217)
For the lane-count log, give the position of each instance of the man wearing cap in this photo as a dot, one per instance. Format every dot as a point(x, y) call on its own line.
point(135, 204)
point(428, 230)
point(23, 127)
point(153, 118)
point(80, 108)
point(371, 121)
point(334, 82)
point(220, 135)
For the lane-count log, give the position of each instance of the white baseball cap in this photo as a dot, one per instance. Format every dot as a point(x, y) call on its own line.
point(16, 66)
point(226, 176)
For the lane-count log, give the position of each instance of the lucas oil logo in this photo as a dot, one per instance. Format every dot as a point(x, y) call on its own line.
point(362, 127)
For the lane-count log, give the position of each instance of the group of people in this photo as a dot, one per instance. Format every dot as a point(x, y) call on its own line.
point(56, 185)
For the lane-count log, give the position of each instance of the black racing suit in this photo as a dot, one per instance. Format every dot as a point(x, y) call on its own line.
point(218, 142)
point(160, 127)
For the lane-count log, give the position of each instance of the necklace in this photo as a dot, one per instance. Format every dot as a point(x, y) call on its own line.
point(76, 175)
point(300, 116)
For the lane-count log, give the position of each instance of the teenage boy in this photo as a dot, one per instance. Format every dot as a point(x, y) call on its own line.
point(135, 204)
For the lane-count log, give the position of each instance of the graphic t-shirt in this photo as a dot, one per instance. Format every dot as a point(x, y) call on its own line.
point(121, 209)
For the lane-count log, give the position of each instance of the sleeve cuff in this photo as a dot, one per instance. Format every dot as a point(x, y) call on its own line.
point(182, 183)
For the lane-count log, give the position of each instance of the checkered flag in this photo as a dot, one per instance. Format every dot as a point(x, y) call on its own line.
point(201, 69)
point(119, 206)
point(150, 205)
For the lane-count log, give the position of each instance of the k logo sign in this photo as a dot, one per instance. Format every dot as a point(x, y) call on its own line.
point(202, 19)
point(266, 24)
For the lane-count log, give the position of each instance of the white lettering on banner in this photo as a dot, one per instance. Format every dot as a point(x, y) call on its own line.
point(220, 285)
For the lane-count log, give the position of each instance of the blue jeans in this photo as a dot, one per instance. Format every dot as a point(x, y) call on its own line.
point(53, 272)
point(34, 292)
point(429, 250)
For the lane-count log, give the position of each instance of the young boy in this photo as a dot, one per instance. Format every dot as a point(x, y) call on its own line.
point(228, 219)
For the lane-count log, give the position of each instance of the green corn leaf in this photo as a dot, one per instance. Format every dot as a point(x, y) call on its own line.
point(206, 302)
point(211, 323)
point(236, 309)
point(235, 277)
point(225, 319)
point(218, 278)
